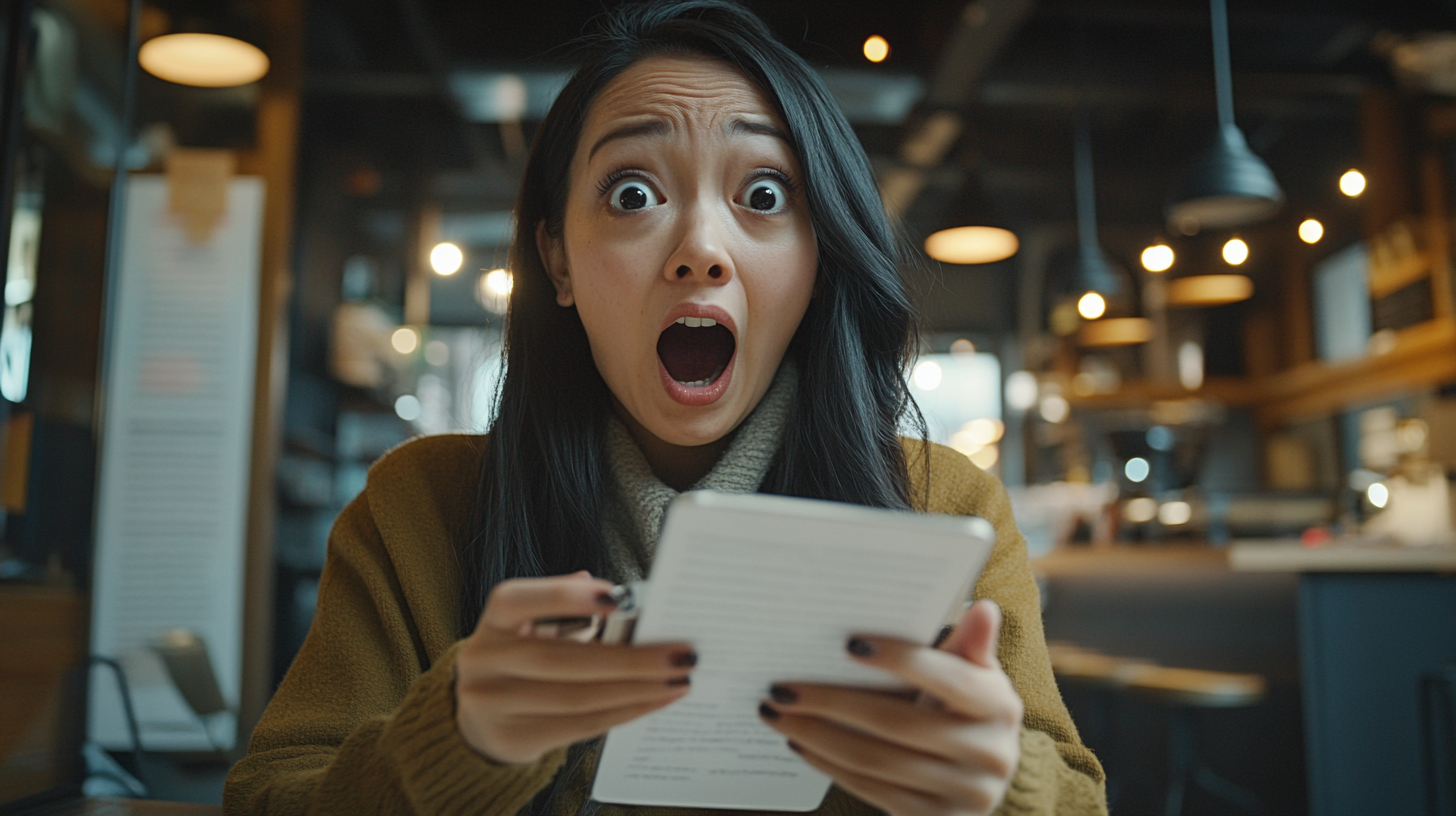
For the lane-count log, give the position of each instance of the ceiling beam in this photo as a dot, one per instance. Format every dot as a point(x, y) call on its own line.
point(982, 30)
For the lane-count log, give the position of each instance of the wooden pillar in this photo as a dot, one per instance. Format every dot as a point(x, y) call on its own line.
point(274, 159)
point(1386, 157)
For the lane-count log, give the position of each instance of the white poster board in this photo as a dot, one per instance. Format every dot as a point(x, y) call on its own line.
point(175, 461)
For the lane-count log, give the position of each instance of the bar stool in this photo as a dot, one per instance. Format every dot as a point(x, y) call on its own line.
point(1184, 691)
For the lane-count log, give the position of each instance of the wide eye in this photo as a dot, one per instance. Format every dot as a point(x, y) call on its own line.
point(633, 195)
point(765, 195)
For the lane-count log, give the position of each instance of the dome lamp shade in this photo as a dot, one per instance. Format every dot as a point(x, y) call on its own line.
point(1228, 186)
point(203, 60)
point(972, 245)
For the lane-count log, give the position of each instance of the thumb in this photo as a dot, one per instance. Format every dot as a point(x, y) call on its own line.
point(974, 637)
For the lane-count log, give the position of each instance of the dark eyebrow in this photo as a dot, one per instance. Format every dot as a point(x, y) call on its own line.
point(743, 126)
point(654, 128)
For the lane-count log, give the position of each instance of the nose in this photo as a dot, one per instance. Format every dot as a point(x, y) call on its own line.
point(702, 251)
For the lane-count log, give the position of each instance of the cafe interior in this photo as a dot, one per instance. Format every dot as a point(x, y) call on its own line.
point(1184, 273)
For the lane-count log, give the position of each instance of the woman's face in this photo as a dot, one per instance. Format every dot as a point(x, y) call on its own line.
point(687, 246)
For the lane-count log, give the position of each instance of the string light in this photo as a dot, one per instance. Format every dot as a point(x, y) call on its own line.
point(1310, 231)
point(876, 48)
point(446, 259)
point(1352, 183)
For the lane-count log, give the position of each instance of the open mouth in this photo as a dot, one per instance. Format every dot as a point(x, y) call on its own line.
point(695, 351)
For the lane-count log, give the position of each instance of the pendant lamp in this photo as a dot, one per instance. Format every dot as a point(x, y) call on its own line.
point(218, 49)
point(1091, 271)
point(1228, 186)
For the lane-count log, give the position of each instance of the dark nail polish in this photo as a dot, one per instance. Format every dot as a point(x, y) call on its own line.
point(794, 746)
point(944, 633)
point(784, 695)
point(680, 681)
point(860, 648)
point(684, 660)
point(766, 712)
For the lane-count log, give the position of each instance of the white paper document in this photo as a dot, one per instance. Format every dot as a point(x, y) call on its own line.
point(769, 589)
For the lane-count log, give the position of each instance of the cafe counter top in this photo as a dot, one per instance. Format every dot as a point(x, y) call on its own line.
point(1293, 557)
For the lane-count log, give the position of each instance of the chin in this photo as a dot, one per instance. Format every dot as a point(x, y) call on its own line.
point(695, 426)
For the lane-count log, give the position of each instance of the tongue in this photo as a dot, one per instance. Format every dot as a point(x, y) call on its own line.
point(695, 355)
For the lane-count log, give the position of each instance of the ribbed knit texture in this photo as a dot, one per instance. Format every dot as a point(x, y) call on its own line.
point(364, 721)
point(641, 499)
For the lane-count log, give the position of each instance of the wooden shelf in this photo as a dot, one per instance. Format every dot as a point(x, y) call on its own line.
point(1420, 356)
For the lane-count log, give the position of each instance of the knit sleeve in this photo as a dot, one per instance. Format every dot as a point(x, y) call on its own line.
point(1057, 773)
point(364, 722)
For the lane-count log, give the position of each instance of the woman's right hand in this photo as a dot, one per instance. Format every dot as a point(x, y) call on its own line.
point(518, 697)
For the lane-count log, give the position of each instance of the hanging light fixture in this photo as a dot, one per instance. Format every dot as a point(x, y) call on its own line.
point(216, 50)
point(1116, 331)
point(1228, 186)
point(1209, 290)
point(972, 245)
point(1091, 271)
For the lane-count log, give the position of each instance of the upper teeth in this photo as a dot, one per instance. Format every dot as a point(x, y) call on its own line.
point(696, 322)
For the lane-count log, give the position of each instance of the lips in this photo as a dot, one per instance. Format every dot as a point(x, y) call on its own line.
point(695, 352)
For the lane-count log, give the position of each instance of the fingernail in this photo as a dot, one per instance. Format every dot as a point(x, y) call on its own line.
point(794, 746)
point(860, 647)
point(606, 599)
point(784, 695)
point(684, 660)
point(766, 712)
point(680, 681)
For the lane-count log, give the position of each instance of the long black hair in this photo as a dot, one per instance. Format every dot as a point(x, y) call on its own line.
point(543, 475)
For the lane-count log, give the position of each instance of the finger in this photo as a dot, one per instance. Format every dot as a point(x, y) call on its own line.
point(515, 698)
point(517, 602)
point(978, 632)
point(885, 762)
point(963, 687)
point(886, 796)
point(893, 719)
point(568, 661)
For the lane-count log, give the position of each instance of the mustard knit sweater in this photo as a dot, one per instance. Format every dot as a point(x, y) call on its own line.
point(364, 722)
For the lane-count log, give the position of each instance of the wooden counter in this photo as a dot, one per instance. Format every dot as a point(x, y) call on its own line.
point(1340, 558)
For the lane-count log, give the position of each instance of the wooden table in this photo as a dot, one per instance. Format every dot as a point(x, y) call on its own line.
point(1372, 622)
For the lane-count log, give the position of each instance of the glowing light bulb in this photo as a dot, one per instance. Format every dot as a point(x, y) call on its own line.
point(1054, 408)
point(927, 375)
point(1310, 231)
point(1378, 494)
point(876, 49)
point(1352, 183)
point(446, 258)
point(1091, 306)
point(1235, 251)
point(1137, 469)
point(499, 282)
point(405, 339)
point(407, 407)
point(1021, 390)
point(1158, 258)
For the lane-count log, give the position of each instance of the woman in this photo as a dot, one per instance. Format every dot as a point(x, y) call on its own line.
point(706, 296)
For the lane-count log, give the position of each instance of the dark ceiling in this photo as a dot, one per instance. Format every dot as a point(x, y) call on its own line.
point(1141, 71)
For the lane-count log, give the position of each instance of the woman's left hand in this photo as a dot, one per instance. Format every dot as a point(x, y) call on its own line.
point(952, 750)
